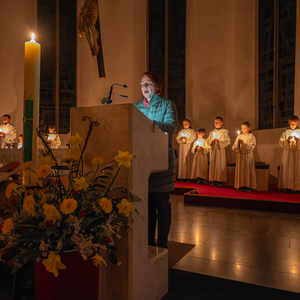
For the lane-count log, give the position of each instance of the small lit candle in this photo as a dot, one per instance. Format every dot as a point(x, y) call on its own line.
point(293, 135)
point(199, 143)
point(238, 132)
point(51, 137)
point(4, 130)
point(183, 134)
point(31, 100)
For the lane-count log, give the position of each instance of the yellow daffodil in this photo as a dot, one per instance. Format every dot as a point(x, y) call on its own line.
point(73, 154)
point(53, 263)
point(125, 207)
point(75, 140)
point(8, 191)
point(47, 160)
point(16, 188)
point(106, 205)
point(43, 171)
point(97, 161)
point(29, 204)
point(31, 178)
point(25, 166)
point(68, 206)
point(124, 158)
point(80, 184)
point(98, 260)
point(51, 213)
point(7, 226)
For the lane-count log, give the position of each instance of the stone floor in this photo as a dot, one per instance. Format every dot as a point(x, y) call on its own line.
point(254, 247)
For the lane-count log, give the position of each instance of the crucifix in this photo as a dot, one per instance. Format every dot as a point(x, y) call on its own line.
point(89, 23)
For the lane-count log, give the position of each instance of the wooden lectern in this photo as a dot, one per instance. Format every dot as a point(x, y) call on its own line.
point(123, 127)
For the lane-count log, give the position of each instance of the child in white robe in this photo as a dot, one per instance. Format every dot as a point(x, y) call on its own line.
point(53, 137)
point(200, 165)
point(218, 139)
point(185, 138)
point(20, 144)
point(245, 176)
point(289, 175)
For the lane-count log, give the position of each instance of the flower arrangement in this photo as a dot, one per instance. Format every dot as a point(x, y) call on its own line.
point(52, 216)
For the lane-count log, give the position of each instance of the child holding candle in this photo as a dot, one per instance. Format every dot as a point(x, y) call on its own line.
point(289, 176)
point(185, 138)
point(20, 144)
point(200, 150)
point(53, 137)
point(245, 176)
point(218, 139)
point(7, 132)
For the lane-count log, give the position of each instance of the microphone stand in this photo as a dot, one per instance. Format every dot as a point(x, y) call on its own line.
point(108, 99)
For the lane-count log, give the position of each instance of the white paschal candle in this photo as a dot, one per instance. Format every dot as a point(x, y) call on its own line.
point(31, 100)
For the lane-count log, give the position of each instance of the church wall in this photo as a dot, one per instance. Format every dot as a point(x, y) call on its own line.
point(222, 76)
point(220, 64)
point(123, 33)
point(19, 20)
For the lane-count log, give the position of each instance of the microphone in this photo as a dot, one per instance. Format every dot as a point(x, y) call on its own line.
point(107, 100)
point(104, 100)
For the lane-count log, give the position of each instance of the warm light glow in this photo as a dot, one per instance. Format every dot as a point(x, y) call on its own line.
point(216, 135)
point(199, 143)
point(213, 254)
point(238, 132)
point(295, 134)
point(51, 137)
point(183, 134)
point(32, 37)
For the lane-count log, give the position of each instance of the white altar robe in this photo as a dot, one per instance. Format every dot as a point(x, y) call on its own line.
point(10, 134)
point(54, 139)
point(245, 166)
point(185, 155)
point(217, 167)
point(200, 160)
point(289, 175)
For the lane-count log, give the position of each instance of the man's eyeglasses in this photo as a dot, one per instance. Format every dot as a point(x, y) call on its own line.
point(146, 84)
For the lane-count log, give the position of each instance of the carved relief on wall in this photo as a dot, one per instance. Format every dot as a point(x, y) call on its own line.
point(87, 18)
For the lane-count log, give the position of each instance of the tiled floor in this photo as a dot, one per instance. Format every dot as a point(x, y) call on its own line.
point(260, 248)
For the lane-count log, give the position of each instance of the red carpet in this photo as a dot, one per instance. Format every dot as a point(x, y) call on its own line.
point(271, 200)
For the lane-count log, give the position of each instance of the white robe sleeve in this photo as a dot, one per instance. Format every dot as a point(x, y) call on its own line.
point(206, 147)
point(224, 140)
point(284, 142)
point(249, 145)
point(235, 146)
point(192, 136)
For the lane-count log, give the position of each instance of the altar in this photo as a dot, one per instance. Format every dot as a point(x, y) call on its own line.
point(9, 155)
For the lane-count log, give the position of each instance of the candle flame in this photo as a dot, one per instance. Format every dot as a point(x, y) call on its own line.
point(32, 37)
point(238, 132)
